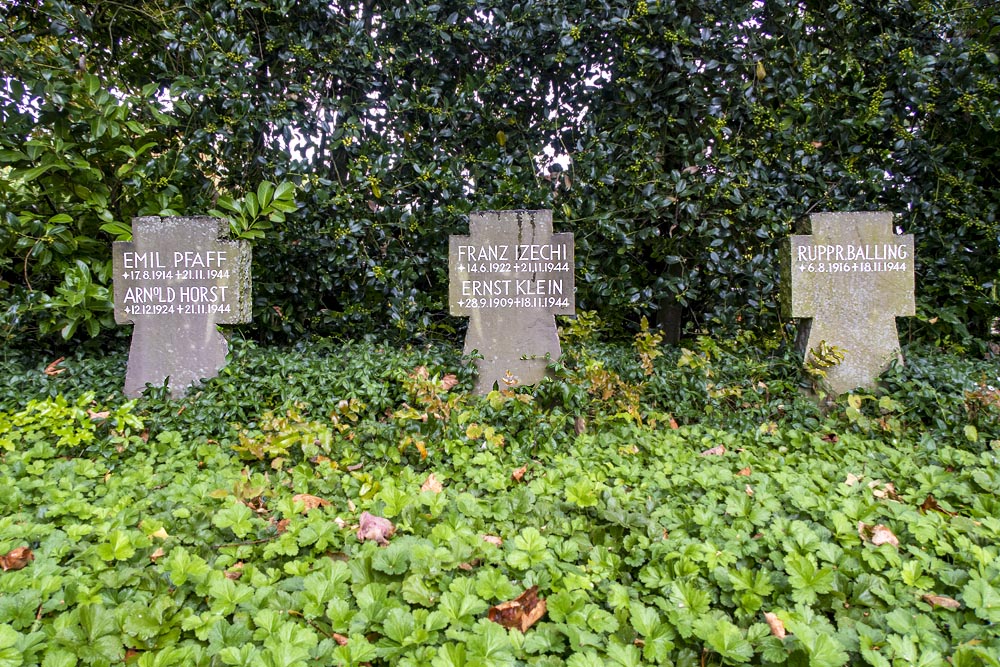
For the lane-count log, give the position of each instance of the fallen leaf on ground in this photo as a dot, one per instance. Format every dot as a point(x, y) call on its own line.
point(376, 528)
point(930, 504)
point(340, 639)
point(448, 381)
point(877, 535)
point(886, 492)
point(749, 490)
point(235, 572)
point(852, 479)
point(494, 540)
point(310, 502)
point(714, 451)
point(519, 473)
point(777, 626)
point(744, 473)
point(97, 416)
point(432, 484)
point(157, 555)
point(580, 425)
point(673, 424)
point(53, 370)
point(941, 601)
point(520, 613)
point(16, 559)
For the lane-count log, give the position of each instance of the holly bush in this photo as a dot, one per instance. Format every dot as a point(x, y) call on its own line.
point(680, 142)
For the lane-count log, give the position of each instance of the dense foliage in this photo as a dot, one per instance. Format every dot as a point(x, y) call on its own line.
point(692, 508)
point(679, 140)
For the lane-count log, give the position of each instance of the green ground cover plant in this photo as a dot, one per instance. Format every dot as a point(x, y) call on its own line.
point(643, 506)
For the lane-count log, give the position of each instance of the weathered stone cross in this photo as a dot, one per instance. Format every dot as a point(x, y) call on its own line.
point(850, 280)
point(176, 281)
point(511, 276)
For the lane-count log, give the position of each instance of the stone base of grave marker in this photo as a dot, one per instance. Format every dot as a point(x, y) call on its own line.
point(511, 276)
point(503, 342)
point(849, 280)
point(176, 281)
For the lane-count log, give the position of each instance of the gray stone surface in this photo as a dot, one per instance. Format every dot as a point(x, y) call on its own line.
point(511, 276)
point(176, 281)
point(849, 281)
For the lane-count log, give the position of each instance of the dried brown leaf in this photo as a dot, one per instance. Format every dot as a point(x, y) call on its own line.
point(376, 528)
point(714, 451)
point(16, 559)
point(941, 601)
point(852, 479)
point(432, 484)
point(448, 381)
point(340, 639)
point(520, 613)
point(673, 424)
point(493, 539)
point(930, 504)
point(749, 490)
point(886, 492)
point(310, 502)
point(777, 626)
point(518, 474)
point(157, 554)
point(744, 473)
point(877, 535)
point(52, 370)
point(580, 425)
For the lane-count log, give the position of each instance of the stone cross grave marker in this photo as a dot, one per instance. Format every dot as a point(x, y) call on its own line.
point(850, 280)
point(176, 281)
point(511, 276)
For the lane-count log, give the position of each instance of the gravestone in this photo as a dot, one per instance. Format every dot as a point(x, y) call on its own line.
point(176, 281)
point(850, 279)
point(511, 276)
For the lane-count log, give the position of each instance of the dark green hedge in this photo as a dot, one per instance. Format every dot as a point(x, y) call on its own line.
point(690, 137)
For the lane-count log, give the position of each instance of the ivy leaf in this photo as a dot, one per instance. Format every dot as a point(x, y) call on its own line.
point(808, 582)
point(582, 492)
point(245, 656)
point(982, 598)
point(10, 656)
point(624, 655)
point(724, 638)
point(530, 548)
point(450, 655)
point(489, 646)
point(117, 547)
point(236, 516)
point(824, 651)
point(399, 625)
point(588, 658)
point(182, 566)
